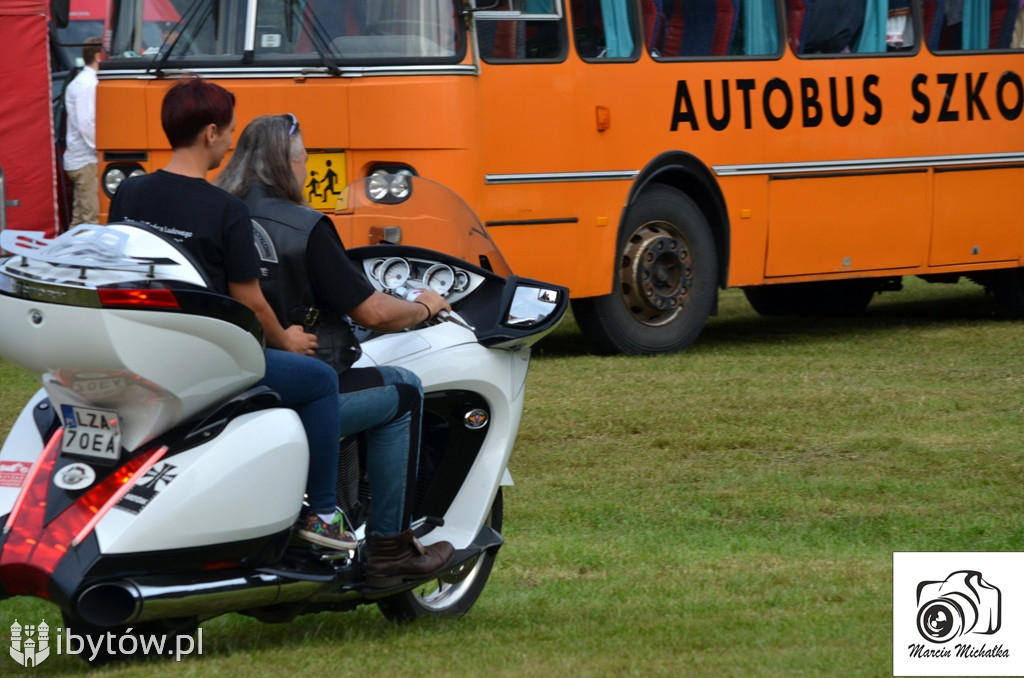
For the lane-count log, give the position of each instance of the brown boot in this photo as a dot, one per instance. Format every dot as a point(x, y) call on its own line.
point(401, 557)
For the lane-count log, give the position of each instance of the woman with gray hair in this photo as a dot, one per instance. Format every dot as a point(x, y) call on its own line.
point(307, 277)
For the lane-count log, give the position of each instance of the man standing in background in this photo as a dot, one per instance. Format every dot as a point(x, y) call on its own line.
point(80, 160)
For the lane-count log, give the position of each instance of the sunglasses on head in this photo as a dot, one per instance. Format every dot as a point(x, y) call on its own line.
point(295, 124)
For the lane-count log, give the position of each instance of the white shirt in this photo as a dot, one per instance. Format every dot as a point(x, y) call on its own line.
point(80, 105)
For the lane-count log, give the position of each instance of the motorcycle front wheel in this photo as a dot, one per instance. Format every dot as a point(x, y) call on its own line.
point(453, 592)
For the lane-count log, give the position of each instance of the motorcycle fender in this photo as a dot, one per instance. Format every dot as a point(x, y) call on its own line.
point(247, 483)
point(23, 445)
point(506, 479)
point(495, 375)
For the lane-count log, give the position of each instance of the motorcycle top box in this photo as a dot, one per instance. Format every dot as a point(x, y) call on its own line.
point(150, 484)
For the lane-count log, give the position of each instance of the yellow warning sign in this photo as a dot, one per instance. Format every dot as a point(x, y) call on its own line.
point(325, 179)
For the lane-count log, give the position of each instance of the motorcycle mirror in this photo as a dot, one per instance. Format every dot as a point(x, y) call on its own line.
point(531, 306)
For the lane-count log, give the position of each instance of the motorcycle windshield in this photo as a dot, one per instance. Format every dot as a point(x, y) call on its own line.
point(401, 209)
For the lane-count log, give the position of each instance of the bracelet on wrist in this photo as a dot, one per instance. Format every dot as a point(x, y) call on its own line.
point(430, 313)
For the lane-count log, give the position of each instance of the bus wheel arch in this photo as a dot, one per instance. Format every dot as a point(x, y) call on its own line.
point(688, 174)
point(667, 270)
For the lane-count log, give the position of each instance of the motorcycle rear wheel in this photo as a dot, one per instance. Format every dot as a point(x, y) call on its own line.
point(452, 593)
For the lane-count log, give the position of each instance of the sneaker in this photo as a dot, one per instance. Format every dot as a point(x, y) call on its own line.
point(332, 535)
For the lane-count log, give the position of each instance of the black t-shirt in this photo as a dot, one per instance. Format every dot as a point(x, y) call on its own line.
point(210, 223)
point(336, 282)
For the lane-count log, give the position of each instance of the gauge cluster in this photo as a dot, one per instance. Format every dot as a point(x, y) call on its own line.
point(397, 274)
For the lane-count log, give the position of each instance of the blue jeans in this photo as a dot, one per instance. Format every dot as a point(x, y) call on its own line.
point(386, 403)
point(310, 387)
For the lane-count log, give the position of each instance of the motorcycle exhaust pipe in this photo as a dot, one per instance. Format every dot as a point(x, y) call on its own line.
point(130, 601)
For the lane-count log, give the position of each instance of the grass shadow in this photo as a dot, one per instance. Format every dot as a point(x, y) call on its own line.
point(920, 305)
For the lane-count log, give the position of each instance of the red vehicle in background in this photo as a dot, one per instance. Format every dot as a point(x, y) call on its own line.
point(28, 162)
point(47, 36)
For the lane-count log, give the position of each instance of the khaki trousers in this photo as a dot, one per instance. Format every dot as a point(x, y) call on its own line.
point(85, 208)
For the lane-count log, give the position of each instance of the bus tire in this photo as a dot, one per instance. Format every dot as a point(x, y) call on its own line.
point(665, 282)
point(825, 298)
point(1008, 288)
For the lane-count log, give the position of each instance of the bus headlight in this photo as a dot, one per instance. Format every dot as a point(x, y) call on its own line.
point(386, 187)
point(114, 175)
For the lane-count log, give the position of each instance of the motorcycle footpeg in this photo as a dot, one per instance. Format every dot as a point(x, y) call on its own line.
point(330, 556)
point(424, 525)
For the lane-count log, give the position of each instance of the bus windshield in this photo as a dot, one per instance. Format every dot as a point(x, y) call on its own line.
point(286, 33)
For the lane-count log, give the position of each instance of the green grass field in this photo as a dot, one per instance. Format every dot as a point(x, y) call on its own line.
point(729, 511)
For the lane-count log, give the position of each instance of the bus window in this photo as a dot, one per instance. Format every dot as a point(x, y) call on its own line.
point(849, 27)
point(899, 26)
point(308, 32)
point(955, 25)
point(710, 28)
point(520, 30)
point(603, 30)
point(359, 29)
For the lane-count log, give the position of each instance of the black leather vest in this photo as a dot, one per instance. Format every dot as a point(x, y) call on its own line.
point(281, 230)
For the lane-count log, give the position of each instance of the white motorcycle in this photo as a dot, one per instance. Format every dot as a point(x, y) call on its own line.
point(154, 486)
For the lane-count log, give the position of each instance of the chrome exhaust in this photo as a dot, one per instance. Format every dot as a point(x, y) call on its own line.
point(130, 601)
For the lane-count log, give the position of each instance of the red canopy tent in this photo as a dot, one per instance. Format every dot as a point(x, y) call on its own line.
point(26, 118)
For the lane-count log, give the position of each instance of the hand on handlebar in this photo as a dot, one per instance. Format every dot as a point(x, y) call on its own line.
point(433, 301)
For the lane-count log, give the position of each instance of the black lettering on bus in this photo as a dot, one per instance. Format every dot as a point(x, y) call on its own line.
point(746, 85)
point(945, 114)
point(872, 99)
point(920, 97)
point(812, 112)
point(680, 115)
point(717, 124)
point(1008, 79)
point(974, 96)
point(778, 121)
point(841, 119)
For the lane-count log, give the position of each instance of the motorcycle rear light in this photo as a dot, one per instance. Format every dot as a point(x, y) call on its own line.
point(30, 478)
point(120, 482)
point(137, 298)
point(33, 547)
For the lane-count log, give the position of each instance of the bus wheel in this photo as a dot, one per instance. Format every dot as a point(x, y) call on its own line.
point(827, 298)
point(1008, 288)
point(665, 280)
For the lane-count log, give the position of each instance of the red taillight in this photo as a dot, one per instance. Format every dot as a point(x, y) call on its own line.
point(33, 547)
point(137, 298)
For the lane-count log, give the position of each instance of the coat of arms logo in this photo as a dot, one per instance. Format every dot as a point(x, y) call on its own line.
point(30, 644)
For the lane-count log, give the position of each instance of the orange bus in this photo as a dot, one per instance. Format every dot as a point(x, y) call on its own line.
point(644, 153)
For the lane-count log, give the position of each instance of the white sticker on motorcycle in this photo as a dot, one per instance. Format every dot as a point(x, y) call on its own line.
point(13, 473)
point(74, 477)
point(156, 479)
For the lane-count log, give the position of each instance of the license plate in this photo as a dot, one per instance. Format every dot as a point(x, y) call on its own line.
point(91, 433)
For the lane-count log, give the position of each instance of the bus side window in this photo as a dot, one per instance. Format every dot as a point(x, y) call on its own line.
point(710, 28)
point(831, 26)
point(849, 26)
point(954, 25)
point(899, 26)
point(796, 12)
point(603, 30)
point(503, 40)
